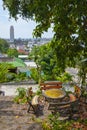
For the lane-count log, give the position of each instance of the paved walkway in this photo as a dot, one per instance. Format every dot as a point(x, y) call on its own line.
point(15, 117)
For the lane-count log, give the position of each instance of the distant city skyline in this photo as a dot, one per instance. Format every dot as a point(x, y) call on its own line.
point(22, 28)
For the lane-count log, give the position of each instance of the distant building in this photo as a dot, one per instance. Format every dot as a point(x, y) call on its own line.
point(11, 34)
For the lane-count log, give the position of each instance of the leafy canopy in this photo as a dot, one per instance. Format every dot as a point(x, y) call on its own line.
point(46, 61)
point(12, 52)
point(68, 19)
point(67, 16)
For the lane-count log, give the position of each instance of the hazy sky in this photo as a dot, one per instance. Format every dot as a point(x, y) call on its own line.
point(22, 28)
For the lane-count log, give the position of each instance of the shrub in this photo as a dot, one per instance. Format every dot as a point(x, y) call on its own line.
point(34, 74)
point(53, 123)
point(65, 77)
point(21, 95)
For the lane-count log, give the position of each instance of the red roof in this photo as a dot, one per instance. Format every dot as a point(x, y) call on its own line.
point(23, 51)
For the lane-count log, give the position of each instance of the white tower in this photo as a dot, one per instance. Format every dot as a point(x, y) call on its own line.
point(11, 34)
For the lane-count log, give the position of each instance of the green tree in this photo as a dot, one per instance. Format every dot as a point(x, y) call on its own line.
point(12, 52)
point(46, 62)
point(35, 55)
point(68, 19)
point(4, 45)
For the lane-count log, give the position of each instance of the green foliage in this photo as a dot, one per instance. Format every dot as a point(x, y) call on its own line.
point(85, 122)
point(45, 59)
point(10, 76)
point(34, 74)
point(46, 126)
point(39, 91)
point(3, 46)
point(68, 20)
point(4, 71)
point(20, 77)
point(53, 123)
point(84, 92)
point(21, 92)
point(21, 95)
point(65, 77)
point(82, 67)
point(7, 76)
point(12, 52)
